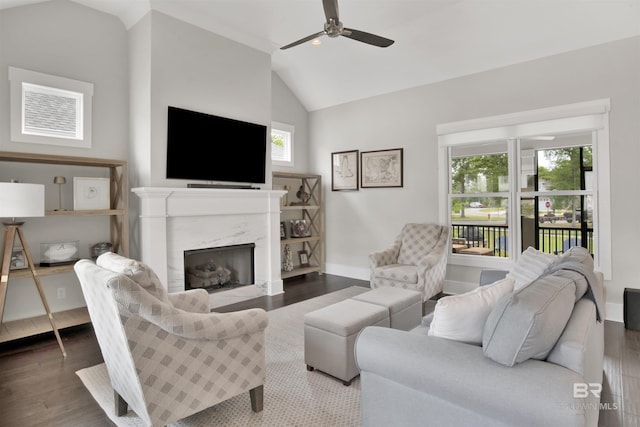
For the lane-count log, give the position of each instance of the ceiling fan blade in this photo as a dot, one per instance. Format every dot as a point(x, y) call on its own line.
point(368, 38)
point(331, 10)
point(304, 40)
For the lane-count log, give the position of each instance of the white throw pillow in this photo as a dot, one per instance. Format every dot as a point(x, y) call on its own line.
point(531, 264)
point(462, 317)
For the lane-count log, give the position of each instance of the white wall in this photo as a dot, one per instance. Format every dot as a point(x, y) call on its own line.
point(69, 40)
point(360, 222)
point(286, 108)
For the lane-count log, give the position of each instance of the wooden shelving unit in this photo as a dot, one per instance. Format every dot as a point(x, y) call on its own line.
point(312, 212)
point(119, 237)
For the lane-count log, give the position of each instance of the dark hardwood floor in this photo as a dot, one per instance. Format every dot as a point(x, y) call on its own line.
point(39, 388)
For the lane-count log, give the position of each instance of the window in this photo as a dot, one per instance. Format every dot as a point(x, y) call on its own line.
point(282, 144)
point(527, 179)
point(48, 109)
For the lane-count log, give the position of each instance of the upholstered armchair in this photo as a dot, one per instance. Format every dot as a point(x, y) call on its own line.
point(166, 354)
point(417, 260)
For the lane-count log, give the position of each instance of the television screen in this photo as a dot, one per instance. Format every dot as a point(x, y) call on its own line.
point(211, 148)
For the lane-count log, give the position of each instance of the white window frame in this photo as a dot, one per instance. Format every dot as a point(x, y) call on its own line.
point(592, 116)
point(288, 132)
point(22, 80)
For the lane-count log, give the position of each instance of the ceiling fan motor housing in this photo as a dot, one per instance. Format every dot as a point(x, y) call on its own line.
point(333, 29)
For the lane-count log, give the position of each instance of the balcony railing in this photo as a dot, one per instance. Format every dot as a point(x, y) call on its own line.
point(553, 240)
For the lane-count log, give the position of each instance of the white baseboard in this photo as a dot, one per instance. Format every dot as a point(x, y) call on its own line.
point(348, 271)
point(615, 312)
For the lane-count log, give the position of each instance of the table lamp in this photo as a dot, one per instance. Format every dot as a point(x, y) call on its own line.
point(60, 180)
point(20, 200)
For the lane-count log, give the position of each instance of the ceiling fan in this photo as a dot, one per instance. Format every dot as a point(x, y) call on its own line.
point(334, 28)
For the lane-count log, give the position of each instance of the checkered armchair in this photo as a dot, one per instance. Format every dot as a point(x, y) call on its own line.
point(167, 355)
point(417, 260)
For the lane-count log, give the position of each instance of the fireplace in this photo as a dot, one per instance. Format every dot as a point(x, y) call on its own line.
point(219, 268)
point(175, 220)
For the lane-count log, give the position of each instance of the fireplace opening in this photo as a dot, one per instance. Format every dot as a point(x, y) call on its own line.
point(219, 268)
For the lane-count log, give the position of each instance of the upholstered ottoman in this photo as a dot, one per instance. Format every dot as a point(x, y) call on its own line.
point(330, 334)
point(404, 305)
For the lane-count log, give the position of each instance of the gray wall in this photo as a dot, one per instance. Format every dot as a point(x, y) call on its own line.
point(367, 220)
point(178, 64)
point(286, 108)
point(64, 39)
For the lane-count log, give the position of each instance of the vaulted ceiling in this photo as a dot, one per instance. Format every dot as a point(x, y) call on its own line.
point(435, 40)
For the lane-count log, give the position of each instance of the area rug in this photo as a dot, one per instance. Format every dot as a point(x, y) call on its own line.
point(293, 396)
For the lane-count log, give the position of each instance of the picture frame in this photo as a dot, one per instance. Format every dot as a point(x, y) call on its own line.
point(18, 259)
point(381, 168)
point(91, 193)
point(344, 171)
point(283, 231)
point(304, 258)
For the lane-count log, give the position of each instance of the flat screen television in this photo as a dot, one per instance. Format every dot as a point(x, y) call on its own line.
point(205, 147)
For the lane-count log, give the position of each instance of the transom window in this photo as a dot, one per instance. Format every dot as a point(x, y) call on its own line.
point(537, 185)
point(282, 144)
point(48, 109)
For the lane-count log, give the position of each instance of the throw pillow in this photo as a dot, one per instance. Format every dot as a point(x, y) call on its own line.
point(527, 324)
point(531, 264)
point(139, 272)
point(462, 317)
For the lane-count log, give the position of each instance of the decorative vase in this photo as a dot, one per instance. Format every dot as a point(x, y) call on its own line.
point(287, 259)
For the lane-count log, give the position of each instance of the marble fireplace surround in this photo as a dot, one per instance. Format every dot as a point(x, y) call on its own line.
point(173, 220)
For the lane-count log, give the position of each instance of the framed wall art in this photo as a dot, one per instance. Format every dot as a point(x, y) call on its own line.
point(382, 168)
point(90, 193)
point(18, 259)
point(344, 171)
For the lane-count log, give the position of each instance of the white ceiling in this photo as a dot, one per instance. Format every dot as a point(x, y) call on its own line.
point(435, 40)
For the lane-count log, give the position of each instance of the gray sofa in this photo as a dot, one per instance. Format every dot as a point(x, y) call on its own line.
point(411, 379)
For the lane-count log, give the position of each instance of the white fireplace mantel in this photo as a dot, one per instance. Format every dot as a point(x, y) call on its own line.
point(173, 220)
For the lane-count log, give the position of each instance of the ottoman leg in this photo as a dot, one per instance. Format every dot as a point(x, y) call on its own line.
point(309, 368)
point(346, 383)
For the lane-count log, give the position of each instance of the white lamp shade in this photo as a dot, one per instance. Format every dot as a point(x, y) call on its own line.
point(19, 200)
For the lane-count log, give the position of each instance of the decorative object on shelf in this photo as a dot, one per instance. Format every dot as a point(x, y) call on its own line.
point(100, 248)
point(381, 168)
point(304, 258)
point(303, 196)
point(18, 200)
point(90, 193)
point(287, 259)
point(52, 254)
point(18, 259)
point(283, 231)
point(60, 180)
point(344, 171)
point(300, 228)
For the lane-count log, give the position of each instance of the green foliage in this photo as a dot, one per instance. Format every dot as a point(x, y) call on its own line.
point(467, 172)
point(565, 173)
point(277, 140)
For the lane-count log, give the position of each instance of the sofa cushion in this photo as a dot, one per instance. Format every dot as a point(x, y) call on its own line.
point(462, 317)
point(531, 264)
point(139, 272)
point(527, 323)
